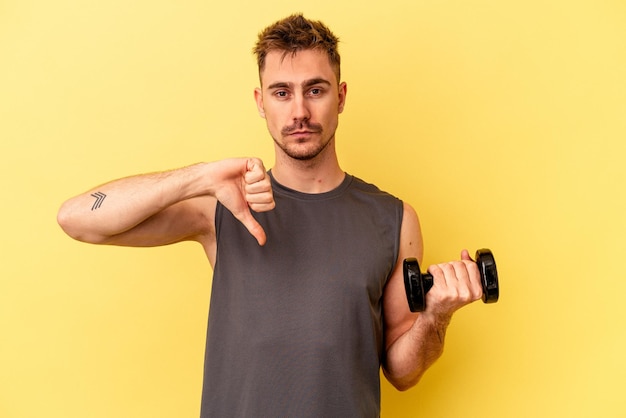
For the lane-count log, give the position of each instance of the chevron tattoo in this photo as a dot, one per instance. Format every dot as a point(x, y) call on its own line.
point(99, 199)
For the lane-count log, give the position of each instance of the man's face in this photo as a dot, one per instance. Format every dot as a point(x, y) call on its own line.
point(300, 99)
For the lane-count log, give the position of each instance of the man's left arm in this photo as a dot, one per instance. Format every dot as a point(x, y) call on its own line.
point(414, 341)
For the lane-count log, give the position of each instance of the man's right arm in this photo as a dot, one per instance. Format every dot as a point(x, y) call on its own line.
point(168, 207)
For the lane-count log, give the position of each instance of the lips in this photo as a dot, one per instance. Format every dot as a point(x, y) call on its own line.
point(302, 129)
point(301, 133)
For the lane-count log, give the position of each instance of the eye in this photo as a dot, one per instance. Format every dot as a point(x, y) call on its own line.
point(281, 94)
point(316, 91)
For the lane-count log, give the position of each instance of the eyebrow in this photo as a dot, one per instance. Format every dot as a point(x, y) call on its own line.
point(305, 83)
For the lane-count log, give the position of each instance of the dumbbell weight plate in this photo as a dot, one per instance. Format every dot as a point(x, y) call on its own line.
point(414, 285)
point(489, 275)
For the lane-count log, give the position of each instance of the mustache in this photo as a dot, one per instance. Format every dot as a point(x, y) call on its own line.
point(302, 126)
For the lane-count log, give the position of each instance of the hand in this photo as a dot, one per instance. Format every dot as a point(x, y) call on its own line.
point(455, 284)
point(242, 185)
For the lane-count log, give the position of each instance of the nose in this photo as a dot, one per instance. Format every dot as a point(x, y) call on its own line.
point(300, 110)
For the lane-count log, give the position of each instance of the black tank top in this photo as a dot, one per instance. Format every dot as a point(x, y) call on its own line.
point(295, 327)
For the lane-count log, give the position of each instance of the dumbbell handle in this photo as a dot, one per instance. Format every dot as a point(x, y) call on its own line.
point(417, 284)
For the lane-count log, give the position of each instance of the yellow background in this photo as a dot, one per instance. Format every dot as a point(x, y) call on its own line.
point(502, 122)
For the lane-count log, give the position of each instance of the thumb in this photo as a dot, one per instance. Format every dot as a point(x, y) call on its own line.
point(254, 227)
point(465, 255)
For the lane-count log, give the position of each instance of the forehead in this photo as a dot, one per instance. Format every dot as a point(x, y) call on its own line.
point(304, 65)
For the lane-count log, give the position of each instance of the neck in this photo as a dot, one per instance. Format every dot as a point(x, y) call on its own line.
point(319, 175)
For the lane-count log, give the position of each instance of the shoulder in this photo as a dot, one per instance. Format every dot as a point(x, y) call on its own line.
point(362, 185)
point(372, 191)
point(409, 214)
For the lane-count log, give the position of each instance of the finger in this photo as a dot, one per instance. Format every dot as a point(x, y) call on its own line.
point(260, 198)
point(468, 278)
point(264, 198)
point(475, 280)
point(465, 288)
point(258, 188)
point(460, 271)
point(444, 273)
point(436, 271)
point(261, 186)
point(262, 207)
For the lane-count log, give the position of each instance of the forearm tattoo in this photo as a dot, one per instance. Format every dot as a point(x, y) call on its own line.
point(99, 199)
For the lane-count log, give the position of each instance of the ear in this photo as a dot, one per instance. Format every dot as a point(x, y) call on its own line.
point(258, 97)
point(343, 91)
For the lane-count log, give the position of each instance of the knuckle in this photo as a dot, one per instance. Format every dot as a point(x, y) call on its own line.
point(463, 294)
point(478, 291)
point(446, 268)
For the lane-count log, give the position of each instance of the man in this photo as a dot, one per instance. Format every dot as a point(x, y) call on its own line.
point(308, 297)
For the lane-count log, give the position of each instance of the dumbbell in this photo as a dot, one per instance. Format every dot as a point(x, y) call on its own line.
point(417, 284)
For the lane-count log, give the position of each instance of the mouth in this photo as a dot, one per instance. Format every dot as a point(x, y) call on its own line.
point(302, 130)
point(301, 134)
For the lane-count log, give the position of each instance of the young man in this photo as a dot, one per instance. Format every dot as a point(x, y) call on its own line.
point(308, 298)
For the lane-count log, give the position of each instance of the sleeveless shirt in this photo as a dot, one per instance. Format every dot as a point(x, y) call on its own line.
point(295, 326)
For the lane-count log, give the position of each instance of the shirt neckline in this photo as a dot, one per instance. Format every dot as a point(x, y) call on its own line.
point(286, 191)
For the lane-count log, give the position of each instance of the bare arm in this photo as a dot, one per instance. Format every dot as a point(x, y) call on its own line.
point(167, 207)
point(415, 341)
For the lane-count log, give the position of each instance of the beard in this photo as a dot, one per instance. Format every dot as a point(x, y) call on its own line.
point(303, 150)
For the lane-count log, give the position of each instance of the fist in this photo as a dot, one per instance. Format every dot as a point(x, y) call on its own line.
point(258, 188)
point(241, 185)
point(455, 284)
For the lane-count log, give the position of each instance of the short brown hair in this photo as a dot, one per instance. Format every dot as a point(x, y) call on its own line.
point(296, 33)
